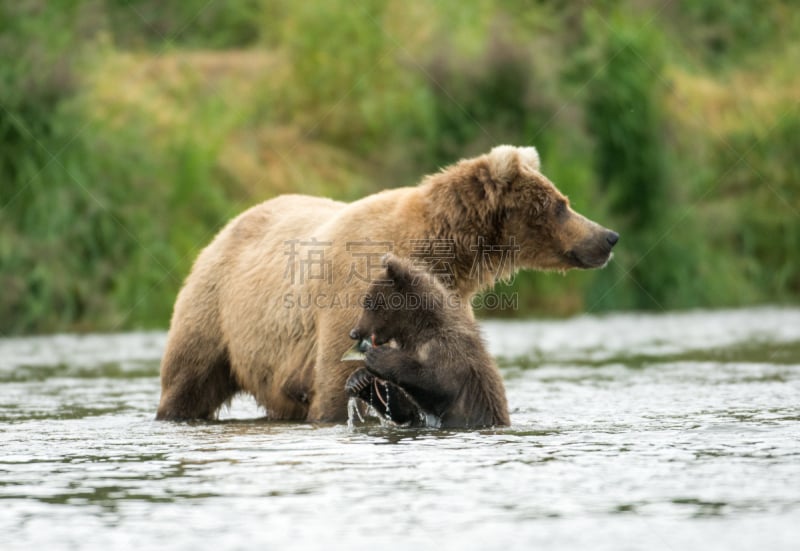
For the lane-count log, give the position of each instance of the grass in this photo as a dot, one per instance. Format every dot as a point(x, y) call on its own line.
point(143, 131)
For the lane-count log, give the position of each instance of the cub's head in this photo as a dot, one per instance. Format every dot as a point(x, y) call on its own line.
point(404, 304)
point(515, 217)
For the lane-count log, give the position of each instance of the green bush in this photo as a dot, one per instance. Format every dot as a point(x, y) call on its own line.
point(762, 172)
point(625, 116)
point(97, 229)
point(479, 103)
point(722, 32)
point(347, 85)
point(111, 182)
point(188, 23)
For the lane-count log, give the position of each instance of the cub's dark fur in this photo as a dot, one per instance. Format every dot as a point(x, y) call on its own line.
point(428, 355)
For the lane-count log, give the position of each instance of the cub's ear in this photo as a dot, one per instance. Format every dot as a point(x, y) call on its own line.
point(397, 271)
point(505, 161)
point(388, 257)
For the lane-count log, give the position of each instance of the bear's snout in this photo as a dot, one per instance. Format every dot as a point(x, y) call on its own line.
point(354, 334)
point(594, 252)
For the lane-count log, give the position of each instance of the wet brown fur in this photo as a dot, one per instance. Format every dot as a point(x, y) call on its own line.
point(437, 354)
point(234, 329)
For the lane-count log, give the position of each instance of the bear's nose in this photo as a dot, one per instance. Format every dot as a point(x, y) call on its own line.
point(354, 334)
point(612, 237)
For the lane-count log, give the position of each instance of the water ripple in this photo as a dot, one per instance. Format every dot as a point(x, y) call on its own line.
point(661, 432)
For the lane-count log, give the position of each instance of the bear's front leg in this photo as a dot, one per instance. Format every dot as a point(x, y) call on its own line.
point(386, 399)
point(417, 379)
point(378, 394)
point(358, 381)
point(388, 363)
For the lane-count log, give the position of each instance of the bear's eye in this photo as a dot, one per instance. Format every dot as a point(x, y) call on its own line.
point(561, 208)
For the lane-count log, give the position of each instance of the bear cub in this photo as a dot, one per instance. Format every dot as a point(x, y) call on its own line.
point(425, 361)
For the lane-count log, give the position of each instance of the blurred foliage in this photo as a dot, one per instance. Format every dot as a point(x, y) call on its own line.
point(765, 174)
point(625, 114)
point(132, 130)
point(724, 32)
point(202, 24)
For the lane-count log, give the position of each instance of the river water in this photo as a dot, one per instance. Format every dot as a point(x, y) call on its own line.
point(671, 431)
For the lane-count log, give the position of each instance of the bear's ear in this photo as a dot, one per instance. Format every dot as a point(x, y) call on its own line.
point(396, 271)
point(529, 157)
point(385, 259)
point(505, 161)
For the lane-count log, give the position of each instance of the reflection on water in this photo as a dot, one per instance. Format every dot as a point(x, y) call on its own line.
point(677, 431)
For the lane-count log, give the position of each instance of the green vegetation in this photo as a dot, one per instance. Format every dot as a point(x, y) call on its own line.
point(131, 131)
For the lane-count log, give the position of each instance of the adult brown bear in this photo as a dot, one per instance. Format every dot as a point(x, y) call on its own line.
point(426, 364)
point(269, 303)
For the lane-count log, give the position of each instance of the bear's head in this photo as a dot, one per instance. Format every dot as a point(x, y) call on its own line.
point(549, 233)
point(405, 304)
point(512, 217)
